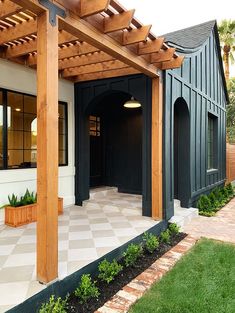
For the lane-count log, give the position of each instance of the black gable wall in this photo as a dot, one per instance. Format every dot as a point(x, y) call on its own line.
point(200, 83)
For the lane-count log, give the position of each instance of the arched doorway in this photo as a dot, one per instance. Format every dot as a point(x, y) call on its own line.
point(115, 143)
point(182, 181)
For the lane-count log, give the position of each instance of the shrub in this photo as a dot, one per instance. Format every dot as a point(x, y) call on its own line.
point(225, 194)
point(204, 204)
point(219, 197)
point(165, 236)
point(151, 242)
point(208, 214)
point(54, 306)
point(174, 228)
point(214, 202)
point(108, 270)
point(132, 254)
point(230, 190)
point(86, 289)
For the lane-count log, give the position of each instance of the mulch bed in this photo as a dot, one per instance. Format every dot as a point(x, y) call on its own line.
point(107, 291)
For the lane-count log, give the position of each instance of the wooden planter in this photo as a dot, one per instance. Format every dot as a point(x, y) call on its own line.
point(26, 214)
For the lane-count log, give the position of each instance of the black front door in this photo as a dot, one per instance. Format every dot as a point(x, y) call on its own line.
point(96, 175)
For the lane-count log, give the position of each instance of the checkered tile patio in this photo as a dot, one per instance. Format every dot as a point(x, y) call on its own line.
point(86, 233)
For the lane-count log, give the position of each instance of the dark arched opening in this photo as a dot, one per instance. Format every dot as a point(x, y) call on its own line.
point(182, 179)
point(115, 143)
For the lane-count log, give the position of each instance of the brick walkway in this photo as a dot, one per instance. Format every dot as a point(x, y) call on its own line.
point(219, 227)
point(125, 298)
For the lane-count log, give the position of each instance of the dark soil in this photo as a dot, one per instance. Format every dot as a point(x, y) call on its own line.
point(124, 277)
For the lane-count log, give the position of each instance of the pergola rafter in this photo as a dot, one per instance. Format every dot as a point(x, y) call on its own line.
point(93, 26)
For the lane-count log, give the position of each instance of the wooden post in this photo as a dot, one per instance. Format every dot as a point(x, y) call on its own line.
point(157, 111)
point(47, 149)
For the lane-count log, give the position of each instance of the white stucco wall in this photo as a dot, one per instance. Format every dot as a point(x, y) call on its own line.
point(19, 78)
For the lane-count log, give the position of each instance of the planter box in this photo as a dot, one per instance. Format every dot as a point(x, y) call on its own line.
point(26, 214)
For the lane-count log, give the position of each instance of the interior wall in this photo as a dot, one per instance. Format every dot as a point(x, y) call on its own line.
point(22, 79)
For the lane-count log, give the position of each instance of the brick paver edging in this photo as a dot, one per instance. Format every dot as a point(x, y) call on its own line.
point(128, 295)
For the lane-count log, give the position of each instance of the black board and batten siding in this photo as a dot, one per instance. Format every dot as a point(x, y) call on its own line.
point(200, 82)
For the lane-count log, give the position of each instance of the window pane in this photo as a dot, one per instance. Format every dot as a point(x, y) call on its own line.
point(15, 158)
point(1, 133)
point(28, 121)
point(62, 157)
point(30, 157)
point(15, 140)
point(62, 126)
point(62, 111)
point(62, 142)
point(30, 104)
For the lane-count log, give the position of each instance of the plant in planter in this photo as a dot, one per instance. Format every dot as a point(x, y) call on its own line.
point(109, 270)
point(165, 236)
point(87, 289)
point(132, 254)
point(151, 242)
point(23, 210)
point(54, 306)
point(230, 190)
point(174, 229)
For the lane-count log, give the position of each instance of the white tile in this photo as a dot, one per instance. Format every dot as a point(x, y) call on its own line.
point(106, 242)
point(63, 245)
point(63, 229)
point(79, 222)
point(82, 254)
point(11, 232)
point(123, 232)
point(62, 270)
point(6, 250)
point(27, 239)
point(13, 293)
point(20, 259)
point(80, 235)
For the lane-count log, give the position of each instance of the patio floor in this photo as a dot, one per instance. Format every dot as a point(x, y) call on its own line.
point(105, 222)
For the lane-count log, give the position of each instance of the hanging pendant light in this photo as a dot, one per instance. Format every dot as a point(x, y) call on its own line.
point(132, 104)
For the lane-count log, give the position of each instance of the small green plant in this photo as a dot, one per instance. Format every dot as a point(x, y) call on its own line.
point(165, 236)
point(204, 204)
point(108, 270)
point(54, 306)
point(151, 242)
point(225, 194)
point(87, 289)
point(132, 254)
point(174, 229)
point(27, 198)
point(208, 214)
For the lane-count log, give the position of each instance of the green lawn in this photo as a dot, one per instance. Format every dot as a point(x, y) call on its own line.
point(202, 282)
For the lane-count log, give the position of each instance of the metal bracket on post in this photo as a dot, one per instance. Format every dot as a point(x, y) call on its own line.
point(54, 10)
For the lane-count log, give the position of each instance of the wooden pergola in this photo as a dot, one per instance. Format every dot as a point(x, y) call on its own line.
point(81, 40)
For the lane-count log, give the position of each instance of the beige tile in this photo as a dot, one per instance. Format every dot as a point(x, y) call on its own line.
point(9, 240)
point(15, 274)
point(79, 244)
point(98, 220)
point(63, 236)
point(29, 232)
point(5, 308)
point(6, 250)
point(121, 225)
point(13, 293)
point(23, 259)
point(34, 287)
point(106, 242)
point(3, 259)
point(24, 248)
point(102, 233)
point(82, 254)
point(76, 228)
point(74, 266)
point(102, 251)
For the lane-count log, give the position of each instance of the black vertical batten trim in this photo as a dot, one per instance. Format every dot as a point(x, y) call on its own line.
point(5, 134)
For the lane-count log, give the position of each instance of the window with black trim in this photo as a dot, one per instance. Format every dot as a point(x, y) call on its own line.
point(18, 131)
point(212, 142)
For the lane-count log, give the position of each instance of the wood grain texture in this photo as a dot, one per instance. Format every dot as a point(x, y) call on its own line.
point(47, 150)
point(157, 111)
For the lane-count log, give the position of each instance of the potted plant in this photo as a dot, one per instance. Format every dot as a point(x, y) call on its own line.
point(23, 210)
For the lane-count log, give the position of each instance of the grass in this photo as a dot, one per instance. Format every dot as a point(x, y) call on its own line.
point(202, 282)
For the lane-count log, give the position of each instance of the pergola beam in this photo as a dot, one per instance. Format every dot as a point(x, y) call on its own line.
point(106, 74)
point(118, 21)
point(149, 47)
point(136, 35)
point(173, 63)
point(7, 8)
point(92, 7)
point(94, 68)
point(94, 58)
point(22, 30)
point(90, 34)
point(163, 55)
point(31, 46)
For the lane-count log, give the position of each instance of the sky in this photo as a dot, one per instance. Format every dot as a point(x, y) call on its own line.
point(167, 16)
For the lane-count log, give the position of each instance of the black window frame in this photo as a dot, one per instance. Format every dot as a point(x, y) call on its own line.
point(214, 119)
point(5, 130)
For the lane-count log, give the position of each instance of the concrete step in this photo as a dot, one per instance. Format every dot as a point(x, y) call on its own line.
point(101, 192)
point(183, 216)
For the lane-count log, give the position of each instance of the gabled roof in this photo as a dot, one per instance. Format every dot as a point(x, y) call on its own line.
point(191, 37)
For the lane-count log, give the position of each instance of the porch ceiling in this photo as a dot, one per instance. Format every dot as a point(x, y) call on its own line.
point(97, 39)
